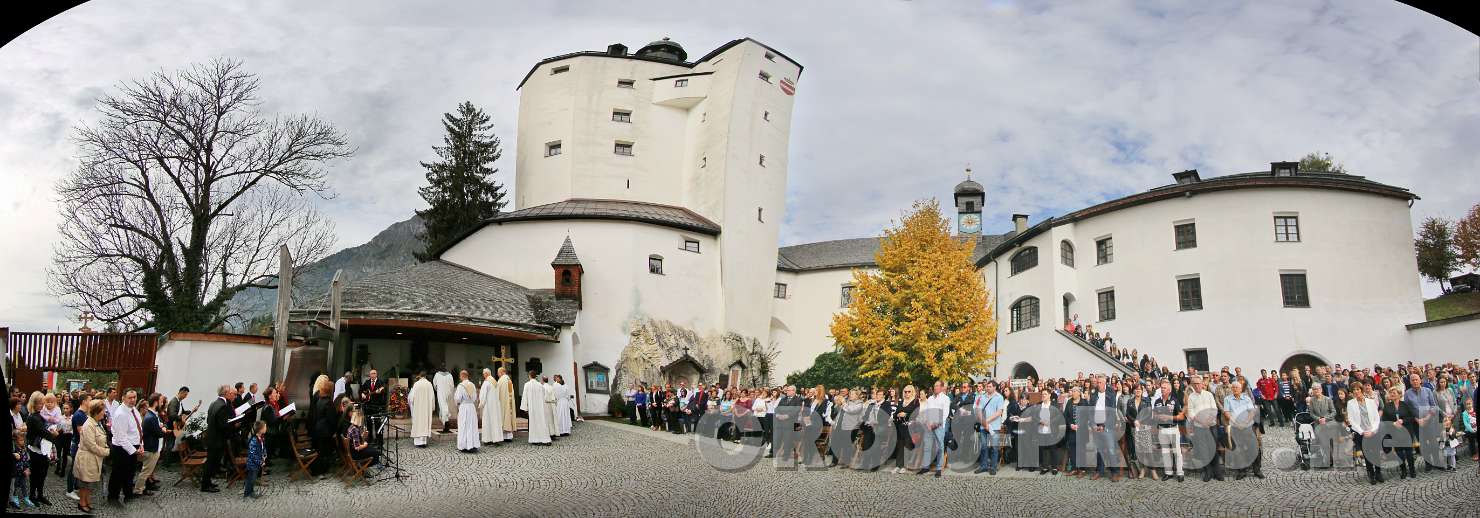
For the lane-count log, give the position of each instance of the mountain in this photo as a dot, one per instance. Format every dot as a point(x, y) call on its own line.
point(390, 249)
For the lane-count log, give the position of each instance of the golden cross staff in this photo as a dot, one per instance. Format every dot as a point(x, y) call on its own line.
point(503, 357)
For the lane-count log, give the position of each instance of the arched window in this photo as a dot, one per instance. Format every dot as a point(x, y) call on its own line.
point(1066, 253)
point(565, 278)
point(1025, 313)
point(655, 264)
point(1024, 259)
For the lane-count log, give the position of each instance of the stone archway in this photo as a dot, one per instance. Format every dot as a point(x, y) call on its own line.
point(1302, 359)
point(1024, 370)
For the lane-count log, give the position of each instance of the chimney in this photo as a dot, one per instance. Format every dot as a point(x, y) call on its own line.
point(1020, 223)
point(616, 49)
point(1186, 177)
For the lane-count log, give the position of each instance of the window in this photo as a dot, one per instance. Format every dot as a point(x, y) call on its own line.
point(780, 291)
point(1066, 253)
point(1024, 259)
point(770, 56)
point(1197, 359)
point(691, 245)
point(626, 83)
point(1287, 229)
point(1293, 289)
point(623, 148)
point(565, 278)
point(765, 77)
point(1189, 293)
point(763, 160)
point(847, 296)
point(655, 264)
point(766, 115)
point(1107, 304)
point(703, 116)
point(1104, 251)
point(560, 70)
point(1185, 235)
point(1025, 313)
point(552, 148)
point(760, 214)
point(621, 116)
point(680, 83)
point(703, 162)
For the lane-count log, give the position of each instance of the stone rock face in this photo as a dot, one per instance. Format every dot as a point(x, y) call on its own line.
point(655, 343)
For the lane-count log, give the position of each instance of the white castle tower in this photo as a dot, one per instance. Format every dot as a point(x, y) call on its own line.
point(708, 135)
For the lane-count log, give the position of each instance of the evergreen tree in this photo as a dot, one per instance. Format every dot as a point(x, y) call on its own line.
point(925, 314)
point(460, 190)
point(1436, 251)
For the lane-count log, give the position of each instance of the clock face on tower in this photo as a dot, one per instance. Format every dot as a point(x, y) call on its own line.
point(969, 223)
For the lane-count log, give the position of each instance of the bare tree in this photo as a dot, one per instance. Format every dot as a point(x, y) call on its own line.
point(183, 192)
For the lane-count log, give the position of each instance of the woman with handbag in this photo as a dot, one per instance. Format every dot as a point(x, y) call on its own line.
point(904, 414)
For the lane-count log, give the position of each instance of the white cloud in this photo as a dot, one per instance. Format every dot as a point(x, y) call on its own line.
point(1056, 106)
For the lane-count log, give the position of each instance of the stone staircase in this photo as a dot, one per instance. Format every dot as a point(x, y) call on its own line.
point(1096, 352)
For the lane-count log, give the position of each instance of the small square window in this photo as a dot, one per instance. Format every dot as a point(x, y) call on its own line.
point(763, 160)
point(552, 148)
point(1104, 251)
point(847, 296)
point(1197, 359)
point(703, 162)
point(780, 291)
point(623, 148)
point(655, 264)
point(1294, 290)
point(626, 83)
point(1185, 235)
point(760, 214)
point(560, 70)
point(621, 116)
point(766, 115)
point(770, 56)
point(1189, 294)
point(764, 76)
point(680, 83)
point(1107, 304)
point(1287, 229)
point(691, 245)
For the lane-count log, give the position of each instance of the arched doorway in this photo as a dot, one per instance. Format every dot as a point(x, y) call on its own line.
point(1024, 370)
point(1300, 360)
point(1068, 307)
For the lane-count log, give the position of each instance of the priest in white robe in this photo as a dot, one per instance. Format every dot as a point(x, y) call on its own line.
point(533, 402)
point(492, 410)
point(550, 407)
point(467, 414)
point(443, 381)
point(506, 399)
point(562, 407)
point(422, 400)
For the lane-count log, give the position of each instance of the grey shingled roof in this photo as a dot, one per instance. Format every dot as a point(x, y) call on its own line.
point(665, 215)
point(849, 253)
point(567, 254)
point(551, 310)
point(438, 291)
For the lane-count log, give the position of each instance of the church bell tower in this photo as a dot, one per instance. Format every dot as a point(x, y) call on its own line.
point(970, 196)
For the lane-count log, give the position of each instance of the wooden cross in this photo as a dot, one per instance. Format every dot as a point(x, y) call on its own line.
point(85, 317)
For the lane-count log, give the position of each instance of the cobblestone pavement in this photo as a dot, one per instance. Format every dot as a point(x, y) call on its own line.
point(613, 469)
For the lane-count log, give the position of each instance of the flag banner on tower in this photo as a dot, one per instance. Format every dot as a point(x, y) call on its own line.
point(789, 87)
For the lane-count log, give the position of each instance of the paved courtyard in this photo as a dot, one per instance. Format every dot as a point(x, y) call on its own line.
point(613, 469)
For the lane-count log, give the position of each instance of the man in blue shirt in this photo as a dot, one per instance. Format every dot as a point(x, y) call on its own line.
point(1236, 408)
point(1426, 404)
point(639, 399)
point(990, 408)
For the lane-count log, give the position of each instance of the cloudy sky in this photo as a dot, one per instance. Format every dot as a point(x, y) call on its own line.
point(1055, 105)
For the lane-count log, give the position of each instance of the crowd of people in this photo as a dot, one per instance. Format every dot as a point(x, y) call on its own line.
point(1163, 413)
point(1144, 364)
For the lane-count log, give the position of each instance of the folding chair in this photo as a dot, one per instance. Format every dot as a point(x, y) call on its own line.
point(304, 455)
point(238, 465)
point(353, 469)
point(191, 462)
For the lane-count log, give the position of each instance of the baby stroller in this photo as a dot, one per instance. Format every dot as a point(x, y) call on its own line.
point(1305, 433)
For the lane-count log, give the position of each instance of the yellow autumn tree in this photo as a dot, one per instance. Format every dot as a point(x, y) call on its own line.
point(924, 314)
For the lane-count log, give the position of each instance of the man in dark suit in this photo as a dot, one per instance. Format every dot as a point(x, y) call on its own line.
point(697, 404)
point(218, 432)
point(373, 392)
point(788, 411)
point(1101, 424)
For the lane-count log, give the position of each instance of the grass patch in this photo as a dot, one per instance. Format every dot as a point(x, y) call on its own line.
point(1452, 305)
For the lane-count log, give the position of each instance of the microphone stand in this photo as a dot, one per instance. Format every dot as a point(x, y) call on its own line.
point(391, 456)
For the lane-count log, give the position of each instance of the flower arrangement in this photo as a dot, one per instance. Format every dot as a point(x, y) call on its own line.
point(397, 405)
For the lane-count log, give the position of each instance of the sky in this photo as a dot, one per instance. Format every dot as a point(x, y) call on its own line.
point(1056, 106)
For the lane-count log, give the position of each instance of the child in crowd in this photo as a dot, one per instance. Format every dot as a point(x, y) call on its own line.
point(1451, 443)
point(22, 473)
point(256, 456)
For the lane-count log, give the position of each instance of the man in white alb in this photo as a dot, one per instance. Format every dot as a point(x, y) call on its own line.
point(562, 407)
point(550, 408)
point(492, 410)
point(445, 385)
point(422, 401)
point(467, 414)
point(533, 403)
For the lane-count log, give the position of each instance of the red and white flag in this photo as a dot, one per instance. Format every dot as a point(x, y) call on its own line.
point(789, 87)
